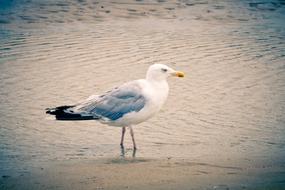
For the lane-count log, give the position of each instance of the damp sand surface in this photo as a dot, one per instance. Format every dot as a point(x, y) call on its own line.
point(142, 173)
point(222, 127)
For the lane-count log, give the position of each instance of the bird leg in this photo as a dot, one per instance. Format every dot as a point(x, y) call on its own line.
point(123, 135)
point(122, 151)
point(133, 137)
point(134, 153)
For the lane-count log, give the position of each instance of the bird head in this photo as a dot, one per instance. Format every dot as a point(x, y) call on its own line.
point(161, 72)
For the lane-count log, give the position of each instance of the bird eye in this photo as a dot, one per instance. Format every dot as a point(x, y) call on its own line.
point(164, 70)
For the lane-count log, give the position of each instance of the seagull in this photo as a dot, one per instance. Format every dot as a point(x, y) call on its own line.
point(124, 106)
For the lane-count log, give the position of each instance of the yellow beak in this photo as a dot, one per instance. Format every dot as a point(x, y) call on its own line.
point(178, 74)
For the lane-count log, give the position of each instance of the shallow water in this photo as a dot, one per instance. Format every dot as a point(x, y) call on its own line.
point(228, 109)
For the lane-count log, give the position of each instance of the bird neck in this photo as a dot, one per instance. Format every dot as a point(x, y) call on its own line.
point(159, 85)
point(159, 91)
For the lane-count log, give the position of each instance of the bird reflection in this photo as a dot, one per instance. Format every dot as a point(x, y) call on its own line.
point(124, 151)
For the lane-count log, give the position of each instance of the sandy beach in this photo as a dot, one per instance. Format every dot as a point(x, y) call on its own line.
point(222, 126)
point(142, 173)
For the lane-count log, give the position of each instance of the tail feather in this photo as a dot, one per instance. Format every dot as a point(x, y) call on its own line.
point(61, 114)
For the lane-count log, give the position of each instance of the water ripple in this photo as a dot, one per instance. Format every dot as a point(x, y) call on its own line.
point(231, 103)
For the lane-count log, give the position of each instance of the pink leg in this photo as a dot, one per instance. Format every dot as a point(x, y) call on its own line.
point(133, 137)
point(123, 135)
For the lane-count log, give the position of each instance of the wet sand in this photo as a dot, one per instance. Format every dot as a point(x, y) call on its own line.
point(222, 126)
point(142, 173)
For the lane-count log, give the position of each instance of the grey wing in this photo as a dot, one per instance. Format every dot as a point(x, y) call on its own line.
point(114, 104)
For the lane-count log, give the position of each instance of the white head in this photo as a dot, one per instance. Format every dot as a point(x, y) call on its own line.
point(161, 72)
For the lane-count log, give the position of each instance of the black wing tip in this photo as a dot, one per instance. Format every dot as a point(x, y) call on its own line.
point(60, 114)
point(57, 110)
point(73, 117)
